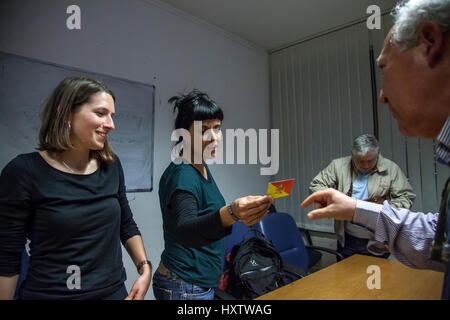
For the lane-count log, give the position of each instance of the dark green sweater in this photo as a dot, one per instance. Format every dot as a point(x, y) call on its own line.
point(193, 231)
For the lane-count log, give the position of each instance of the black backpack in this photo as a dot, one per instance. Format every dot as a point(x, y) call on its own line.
point(255, 268)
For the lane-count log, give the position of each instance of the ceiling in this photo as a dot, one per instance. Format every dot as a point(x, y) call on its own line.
point(272, 24)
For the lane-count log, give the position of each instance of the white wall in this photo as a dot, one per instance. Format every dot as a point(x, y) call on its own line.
point(150, 42)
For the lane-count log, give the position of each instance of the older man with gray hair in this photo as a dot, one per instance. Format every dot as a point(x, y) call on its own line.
point(415, 61)
point(365, 175)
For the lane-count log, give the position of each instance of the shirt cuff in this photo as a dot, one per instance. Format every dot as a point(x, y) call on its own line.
point(367, 213)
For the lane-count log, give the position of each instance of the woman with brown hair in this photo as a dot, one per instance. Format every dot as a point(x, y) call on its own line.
point(69, 200)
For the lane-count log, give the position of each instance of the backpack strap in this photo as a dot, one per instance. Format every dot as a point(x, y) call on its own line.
point(256, 233)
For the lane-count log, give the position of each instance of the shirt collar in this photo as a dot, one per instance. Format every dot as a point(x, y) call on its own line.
point(381, 165)
point(443, 146)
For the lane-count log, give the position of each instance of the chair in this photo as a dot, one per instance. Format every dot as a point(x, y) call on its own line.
point(314, 256)
point(23, 272)
point(282, 230)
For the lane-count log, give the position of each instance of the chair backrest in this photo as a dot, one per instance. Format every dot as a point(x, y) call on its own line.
point(282, 230)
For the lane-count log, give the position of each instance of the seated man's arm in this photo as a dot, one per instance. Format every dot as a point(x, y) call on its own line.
point(327, 178)
point(401, 192)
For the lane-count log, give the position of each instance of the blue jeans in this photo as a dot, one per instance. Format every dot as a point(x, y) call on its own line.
point(172, 287)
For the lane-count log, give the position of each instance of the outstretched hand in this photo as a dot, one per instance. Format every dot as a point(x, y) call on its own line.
point(330, 203)
point(251, 209)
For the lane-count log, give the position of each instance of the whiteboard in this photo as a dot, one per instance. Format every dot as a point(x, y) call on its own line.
point(26, 84)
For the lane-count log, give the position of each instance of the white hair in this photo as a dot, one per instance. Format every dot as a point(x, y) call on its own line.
point(409, 15)
point(365, 144)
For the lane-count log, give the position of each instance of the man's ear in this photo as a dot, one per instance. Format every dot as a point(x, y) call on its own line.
point(431, 35)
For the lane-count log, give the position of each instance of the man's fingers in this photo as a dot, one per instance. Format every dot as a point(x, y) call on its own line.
point(318, 205)
point(317, 214)
point(310, 200)
point(319, 196)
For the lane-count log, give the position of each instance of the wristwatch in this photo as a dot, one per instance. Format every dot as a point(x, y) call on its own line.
point(230, 210)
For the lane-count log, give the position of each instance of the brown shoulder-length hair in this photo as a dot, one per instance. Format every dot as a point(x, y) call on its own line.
point(70, 94)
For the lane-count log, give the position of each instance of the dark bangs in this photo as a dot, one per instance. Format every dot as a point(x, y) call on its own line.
point(194, 106)
point(207, 110)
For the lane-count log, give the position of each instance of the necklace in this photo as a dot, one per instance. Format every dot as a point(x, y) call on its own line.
point(73, 171)
point(67, 166)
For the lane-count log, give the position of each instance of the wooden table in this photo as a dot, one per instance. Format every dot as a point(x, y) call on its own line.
point(347, 280)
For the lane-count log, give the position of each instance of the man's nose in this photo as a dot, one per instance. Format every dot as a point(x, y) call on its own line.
point(383, 98)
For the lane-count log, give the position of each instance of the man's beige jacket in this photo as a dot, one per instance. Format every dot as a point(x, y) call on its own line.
point(387, 182)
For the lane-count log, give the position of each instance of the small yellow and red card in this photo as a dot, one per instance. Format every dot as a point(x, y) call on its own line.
point(277, 189)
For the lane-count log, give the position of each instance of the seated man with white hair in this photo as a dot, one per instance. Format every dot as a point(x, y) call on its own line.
point(365, 175)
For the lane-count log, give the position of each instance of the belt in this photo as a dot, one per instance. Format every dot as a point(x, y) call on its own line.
point(162, 269)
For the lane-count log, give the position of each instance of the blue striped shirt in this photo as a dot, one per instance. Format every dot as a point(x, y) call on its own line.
point(443, 147)
point(407, 235)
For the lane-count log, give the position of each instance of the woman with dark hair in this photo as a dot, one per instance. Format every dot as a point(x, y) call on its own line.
point(195, 216)
point(69, 199)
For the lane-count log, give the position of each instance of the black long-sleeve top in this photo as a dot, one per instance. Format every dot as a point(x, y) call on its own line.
point(192, 230)
point(71, 220)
